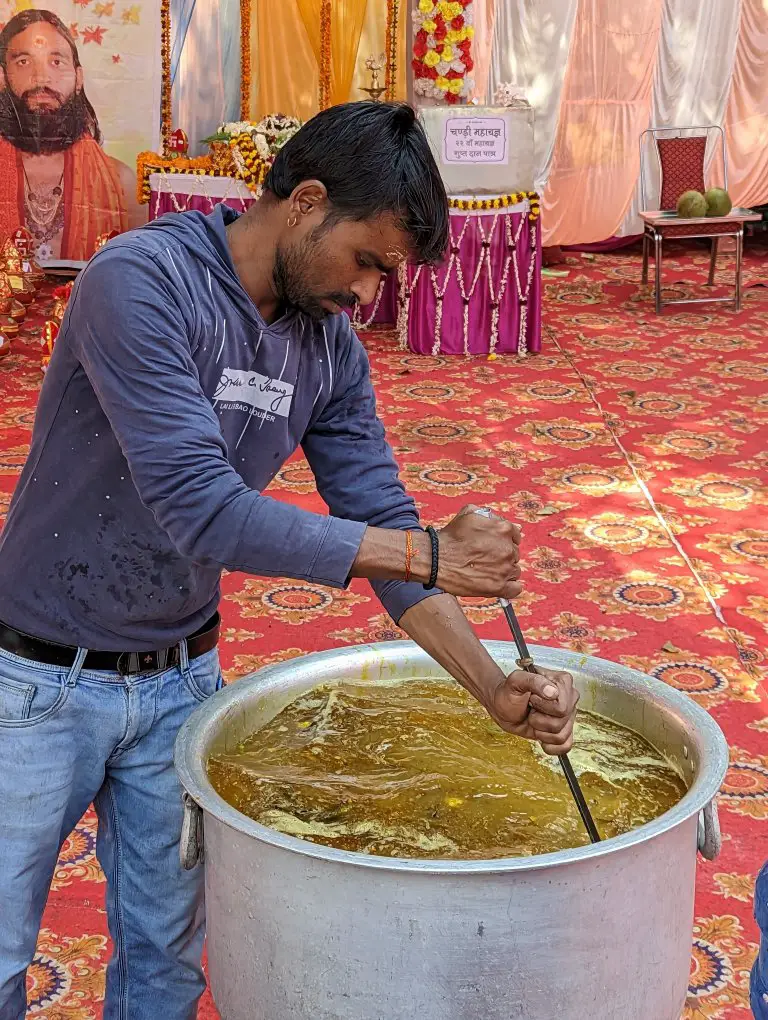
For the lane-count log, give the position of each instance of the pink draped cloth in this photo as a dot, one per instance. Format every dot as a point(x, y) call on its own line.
point(513, 256)
point(163, 203)
point(382, 311)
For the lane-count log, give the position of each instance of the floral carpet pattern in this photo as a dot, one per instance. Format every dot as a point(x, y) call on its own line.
point(633, 452)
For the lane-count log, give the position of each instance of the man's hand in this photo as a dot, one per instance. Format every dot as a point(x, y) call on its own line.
point(539, 706)
point(480, 556)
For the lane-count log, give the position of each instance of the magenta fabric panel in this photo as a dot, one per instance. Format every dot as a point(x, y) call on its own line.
point(386, 313)
point(161, 204)
point(469, 240)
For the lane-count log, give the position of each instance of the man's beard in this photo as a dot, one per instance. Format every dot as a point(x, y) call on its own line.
point(44, 131)
point(293, 281)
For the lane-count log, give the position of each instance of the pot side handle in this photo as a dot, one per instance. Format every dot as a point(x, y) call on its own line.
point(709, 841)
point(192, 842)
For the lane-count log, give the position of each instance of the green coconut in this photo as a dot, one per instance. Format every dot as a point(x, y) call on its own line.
point(718, 202)
point(691, 205)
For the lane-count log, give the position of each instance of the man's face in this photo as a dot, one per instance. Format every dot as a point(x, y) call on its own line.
point(39, 68)
point(321, 269)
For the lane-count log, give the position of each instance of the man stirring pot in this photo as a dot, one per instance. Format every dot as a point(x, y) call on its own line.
point(196, 355)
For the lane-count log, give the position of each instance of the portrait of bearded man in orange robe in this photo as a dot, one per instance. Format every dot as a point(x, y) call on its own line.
point(55, 177)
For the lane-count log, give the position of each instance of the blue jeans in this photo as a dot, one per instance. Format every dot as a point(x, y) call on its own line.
point(759, 982)
point(69, 737)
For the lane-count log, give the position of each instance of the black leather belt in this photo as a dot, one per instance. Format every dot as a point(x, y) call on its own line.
point(125, 663)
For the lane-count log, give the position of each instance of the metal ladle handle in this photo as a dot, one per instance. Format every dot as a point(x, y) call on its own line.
point(526, 662)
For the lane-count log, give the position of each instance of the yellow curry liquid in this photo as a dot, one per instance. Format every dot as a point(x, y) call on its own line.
point(418, 769)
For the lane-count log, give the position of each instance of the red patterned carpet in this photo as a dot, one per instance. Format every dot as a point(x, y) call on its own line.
point(634, 453)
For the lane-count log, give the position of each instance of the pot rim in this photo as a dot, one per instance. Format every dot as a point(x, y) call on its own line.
point(704, 732)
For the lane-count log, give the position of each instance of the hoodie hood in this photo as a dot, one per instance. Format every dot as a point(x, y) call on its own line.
point(205, 239)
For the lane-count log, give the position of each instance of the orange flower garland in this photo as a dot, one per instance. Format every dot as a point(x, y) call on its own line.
point(148, 163)
point(393, 20)
point(166, 103)
point(325, 54)
point(245, 59)
point(251, 168)
point(501, 202)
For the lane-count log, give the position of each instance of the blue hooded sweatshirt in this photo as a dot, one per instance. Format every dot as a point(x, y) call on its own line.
point(168, 407)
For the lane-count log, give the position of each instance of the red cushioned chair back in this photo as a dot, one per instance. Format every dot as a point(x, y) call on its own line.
point(682, 167)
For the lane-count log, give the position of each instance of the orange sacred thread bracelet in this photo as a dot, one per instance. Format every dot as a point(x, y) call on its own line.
point(408, 554)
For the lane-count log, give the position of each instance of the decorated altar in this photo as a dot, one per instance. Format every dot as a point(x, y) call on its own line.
point(485, 299)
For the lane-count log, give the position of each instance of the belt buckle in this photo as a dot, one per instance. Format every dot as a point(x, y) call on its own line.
point(132, 663)
point(128, 663)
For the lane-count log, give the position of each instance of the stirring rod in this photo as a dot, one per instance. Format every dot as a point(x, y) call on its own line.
point(526, 662)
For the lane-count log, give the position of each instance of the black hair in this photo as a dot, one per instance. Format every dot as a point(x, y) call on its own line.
point(34, 16)
point(373, 158)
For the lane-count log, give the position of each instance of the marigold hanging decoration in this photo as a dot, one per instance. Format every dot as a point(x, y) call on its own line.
point(166, 103)
point(393, 31)
point(442, 49)
point(325, 54)
point(245, 59)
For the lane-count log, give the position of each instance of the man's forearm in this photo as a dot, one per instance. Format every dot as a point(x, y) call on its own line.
point(440, 627)
point(382, 556)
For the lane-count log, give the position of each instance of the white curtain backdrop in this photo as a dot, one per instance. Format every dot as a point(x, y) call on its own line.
point(692, 81)
point(530, 49)
point(206, 89)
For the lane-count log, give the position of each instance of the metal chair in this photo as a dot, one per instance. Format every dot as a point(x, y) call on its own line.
point(682, 160)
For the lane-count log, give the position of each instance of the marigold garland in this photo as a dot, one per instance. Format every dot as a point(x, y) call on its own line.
point(393, 22)
point(249, 167)
point(245, 59)
point(325, 54)
point(166, 102)
point(500, 202)
point(442, 49)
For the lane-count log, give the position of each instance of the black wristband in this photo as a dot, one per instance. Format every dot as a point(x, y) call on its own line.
point(435, 556)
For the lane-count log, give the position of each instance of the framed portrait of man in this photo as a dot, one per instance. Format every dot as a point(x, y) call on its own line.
point(80, 84)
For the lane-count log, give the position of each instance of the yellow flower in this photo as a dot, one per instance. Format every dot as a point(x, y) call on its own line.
point(429, 26)
point(431, 58)
point(455, 36)
point(426, 6)
point(492, 357)
point(470, 32)
point(454, 10)
point(454, 85)
point(442, 83)
point(446, 54)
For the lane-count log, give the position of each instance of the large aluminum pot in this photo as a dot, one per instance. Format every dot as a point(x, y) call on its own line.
point(298, 931)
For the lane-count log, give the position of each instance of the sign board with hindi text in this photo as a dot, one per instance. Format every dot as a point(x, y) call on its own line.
point(477, 140)
point(481, 150)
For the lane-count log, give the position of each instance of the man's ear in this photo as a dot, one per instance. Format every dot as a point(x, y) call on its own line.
point(79, 80)
point(2, 80)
